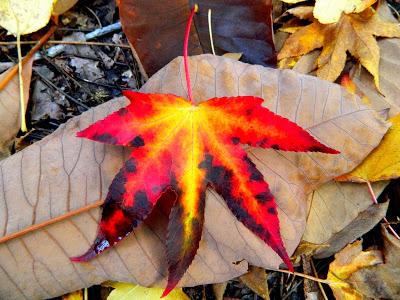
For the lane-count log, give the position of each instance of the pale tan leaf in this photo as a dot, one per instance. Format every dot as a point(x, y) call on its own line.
point(307, 63)
point(388, 76)
point(63, 173)
point(301, 12)
point(10, 108)
point(340, 213)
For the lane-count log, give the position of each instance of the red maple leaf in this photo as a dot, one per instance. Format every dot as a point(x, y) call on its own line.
point(187, 148)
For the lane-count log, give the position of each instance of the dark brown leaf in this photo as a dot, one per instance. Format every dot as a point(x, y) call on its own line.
point(156, 29)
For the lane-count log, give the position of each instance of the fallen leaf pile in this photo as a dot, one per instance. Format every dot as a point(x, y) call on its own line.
point(226, 188)
point(354, 33)
point(63, 173)
point(370, 274)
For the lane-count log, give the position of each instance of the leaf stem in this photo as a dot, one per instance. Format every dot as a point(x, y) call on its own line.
point(371, 192)
point(303, 276)
point(185, 52)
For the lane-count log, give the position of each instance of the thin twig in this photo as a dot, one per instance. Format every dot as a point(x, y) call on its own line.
point(371, 192)
point(60, 218)
point(319, 283)
point(28, 56)
point(78, 43)
point(303, 276)
point(55, 50)
point(95, 16)
point(291, 291)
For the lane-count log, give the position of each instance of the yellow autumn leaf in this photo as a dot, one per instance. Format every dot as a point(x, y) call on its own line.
point(25, 16)
point(383, 163)
point(353, 33)
point(328, 11)
point(348, 261)
point(233, 55)
point(129, 291)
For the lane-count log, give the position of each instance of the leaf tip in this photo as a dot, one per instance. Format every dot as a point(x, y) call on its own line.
point(80, 134)
point(170, 286)
point(129, 94)
point(324, 149)
point(85, 257)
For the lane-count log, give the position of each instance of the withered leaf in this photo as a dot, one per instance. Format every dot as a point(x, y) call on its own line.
point(354, 33)
point(62, 173)
point(156, 29)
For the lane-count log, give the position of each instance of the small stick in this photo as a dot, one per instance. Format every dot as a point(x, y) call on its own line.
point(60, 218)
point(302, 275)
point(27, 57)
point(210, 32)
point(54, 51)
point(371, 192)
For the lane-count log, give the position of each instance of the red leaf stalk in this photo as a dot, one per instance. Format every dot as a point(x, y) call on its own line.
point(185, 53)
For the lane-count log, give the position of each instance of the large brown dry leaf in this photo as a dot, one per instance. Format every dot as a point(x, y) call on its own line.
point(381, 281)
point(340, 213)
point(156, 29)
point(10, 117)
point(354, 33)
point(63, 173)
